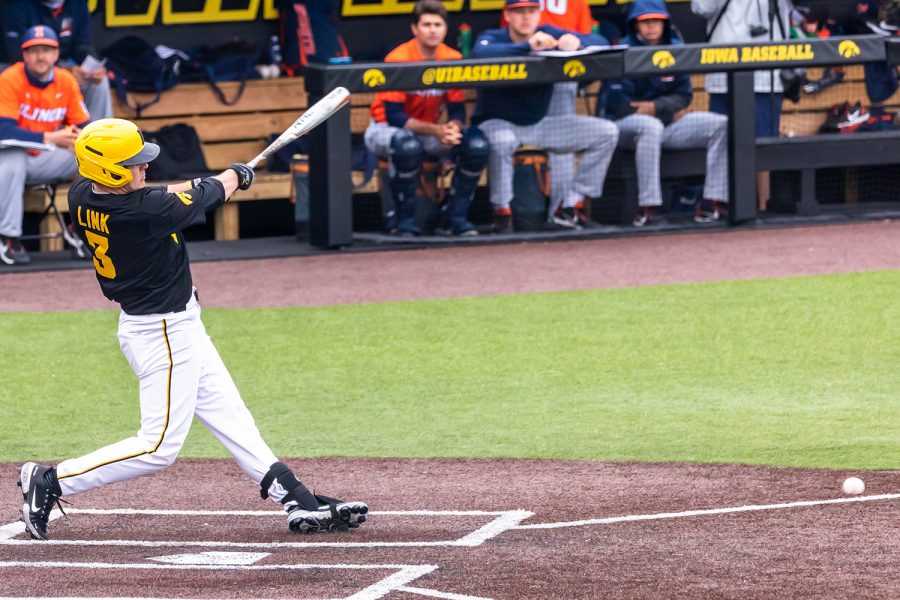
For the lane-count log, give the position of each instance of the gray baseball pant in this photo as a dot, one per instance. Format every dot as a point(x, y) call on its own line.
point(562, 166)
point(18, 169)
point(647, 135)
point(97, 99)
point(565, 134)
point(378, 140)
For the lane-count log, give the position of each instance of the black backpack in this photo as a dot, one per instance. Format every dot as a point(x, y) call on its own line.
point(134, 66)
point(234, 60)
point(531, 189)
point(180, 153)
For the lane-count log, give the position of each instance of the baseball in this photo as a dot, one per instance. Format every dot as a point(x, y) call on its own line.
point(853, 486)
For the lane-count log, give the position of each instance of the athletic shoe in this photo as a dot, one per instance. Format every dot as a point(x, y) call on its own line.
point(856, 115)
point(642, 219)
point(332, 515)
point(40, 490)
point(707, 216)
point(12, 252)
point(835, 116)
point(575, 216)
point(563, 220)
point(461, 227)
point(503, 222)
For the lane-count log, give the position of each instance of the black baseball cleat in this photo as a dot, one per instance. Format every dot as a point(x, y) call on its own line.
point(331, 515)
point(40, 490)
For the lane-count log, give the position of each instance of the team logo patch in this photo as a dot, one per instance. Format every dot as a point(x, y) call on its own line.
point(574, 68)
point(185, 198)
point(848, 49)
point(374, 78)
point(663, 59)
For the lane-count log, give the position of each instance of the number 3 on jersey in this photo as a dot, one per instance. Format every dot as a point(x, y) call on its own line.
point(100, 244)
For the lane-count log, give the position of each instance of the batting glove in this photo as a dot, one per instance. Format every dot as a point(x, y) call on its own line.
point(244, 174)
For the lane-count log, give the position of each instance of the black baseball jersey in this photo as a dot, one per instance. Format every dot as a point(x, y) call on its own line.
point(136, 241)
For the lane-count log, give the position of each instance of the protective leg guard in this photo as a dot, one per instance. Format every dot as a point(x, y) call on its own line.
point(471, 157)
point(406, 155)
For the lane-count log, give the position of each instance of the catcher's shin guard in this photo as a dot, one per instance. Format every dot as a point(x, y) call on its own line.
point(406, 155)
point(471, 158)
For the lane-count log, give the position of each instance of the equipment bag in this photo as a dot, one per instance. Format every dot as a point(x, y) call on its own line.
point(531, 189)
point(135, 66)
point(308, 33)
point(180, 153)
point(234, 60)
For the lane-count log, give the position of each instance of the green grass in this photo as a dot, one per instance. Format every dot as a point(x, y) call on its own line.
point(801, 371)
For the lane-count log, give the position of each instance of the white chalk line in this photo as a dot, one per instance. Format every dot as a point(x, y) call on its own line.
point(15, 528)
point(503, 521)
point(706, 512)
point(437, 594)
point(404, 573)
point(277, 513)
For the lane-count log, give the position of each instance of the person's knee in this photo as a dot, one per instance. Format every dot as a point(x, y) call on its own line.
point(602, 131)
point(406, 152)
point(473, 151)
point(502, 141)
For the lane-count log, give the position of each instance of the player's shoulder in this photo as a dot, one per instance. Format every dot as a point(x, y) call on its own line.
point(15, 74)
point(64, 78)
point(405, 52)
point(445, 52)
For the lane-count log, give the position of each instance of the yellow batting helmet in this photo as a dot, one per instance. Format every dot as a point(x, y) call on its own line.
point(107, 147)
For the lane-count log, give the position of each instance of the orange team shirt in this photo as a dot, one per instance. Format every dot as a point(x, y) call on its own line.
point(571, 15)
point(37, 109)
point(424, 105)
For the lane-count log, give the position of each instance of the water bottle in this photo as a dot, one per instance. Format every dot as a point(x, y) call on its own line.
point(274, 51)
point(464, 41)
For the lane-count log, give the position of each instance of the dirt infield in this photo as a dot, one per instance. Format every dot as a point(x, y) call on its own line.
point(525, 529)
point(476, 529)
point(508, 269)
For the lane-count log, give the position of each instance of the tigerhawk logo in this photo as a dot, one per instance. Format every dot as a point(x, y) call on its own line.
point(185, 198)
point(374, 78)
point(848, 49)
point(662, 59)
point(574, 68)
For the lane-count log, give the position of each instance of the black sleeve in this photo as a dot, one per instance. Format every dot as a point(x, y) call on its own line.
point(174, 212)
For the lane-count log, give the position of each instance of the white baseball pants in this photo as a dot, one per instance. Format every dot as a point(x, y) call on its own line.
point(647, 135)
point(562, 134)
point(181, 375)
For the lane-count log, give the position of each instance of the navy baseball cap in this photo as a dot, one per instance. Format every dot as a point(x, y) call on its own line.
point(521, 3)
point(39, 35)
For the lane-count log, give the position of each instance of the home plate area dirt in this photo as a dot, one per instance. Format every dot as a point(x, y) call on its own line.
point(470, 529)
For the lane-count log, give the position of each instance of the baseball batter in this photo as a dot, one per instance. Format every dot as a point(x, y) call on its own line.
point(134, 234)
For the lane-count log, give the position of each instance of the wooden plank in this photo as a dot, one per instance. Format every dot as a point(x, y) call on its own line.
point(227, 222)
point(220, 155)
point(221, 128)
point(801, 124)
point(199, 99)
point(266, 186)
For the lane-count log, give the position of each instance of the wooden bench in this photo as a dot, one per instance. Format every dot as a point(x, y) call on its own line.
point(239, 132)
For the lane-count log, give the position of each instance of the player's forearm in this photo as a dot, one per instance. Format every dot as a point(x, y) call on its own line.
point(229, 181)
point(423, 127)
